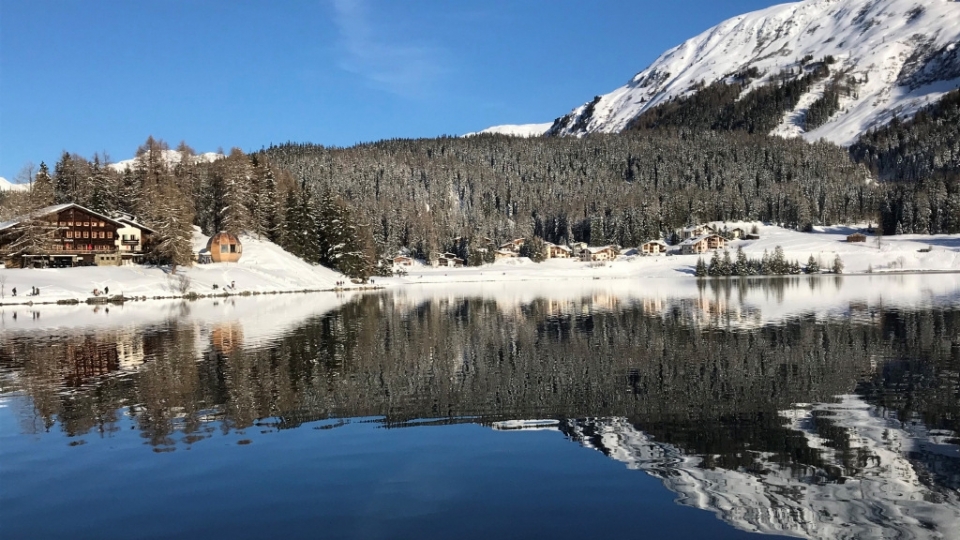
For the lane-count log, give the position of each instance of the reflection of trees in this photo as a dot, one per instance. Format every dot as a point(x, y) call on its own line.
point(711, 391)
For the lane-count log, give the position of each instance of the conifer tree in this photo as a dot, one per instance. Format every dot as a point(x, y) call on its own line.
point(837, 265)
point(726, 265)
point(701, 269)
point(742, 266)
point(778, 263)
point(715, 267)
point(41, 193)
point(813, 266)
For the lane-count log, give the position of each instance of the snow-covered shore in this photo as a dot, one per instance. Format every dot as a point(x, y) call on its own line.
point(265, 268)
point(900, 253)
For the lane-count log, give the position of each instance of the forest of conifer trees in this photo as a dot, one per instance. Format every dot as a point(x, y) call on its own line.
point(352, 208)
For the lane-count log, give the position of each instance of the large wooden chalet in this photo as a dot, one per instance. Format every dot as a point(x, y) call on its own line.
point(68, 235)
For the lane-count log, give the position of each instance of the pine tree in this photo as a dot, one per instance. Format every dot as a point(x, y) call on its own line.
point(534, 248)
point(172, 218)
point(701, 269)
point(778, 263)
point(41, 193)
point(235, 171)
point(726, 265)
point(837, 265)
point(813, 266)
point(741, 267)
point(715, 269)
point(766, 265)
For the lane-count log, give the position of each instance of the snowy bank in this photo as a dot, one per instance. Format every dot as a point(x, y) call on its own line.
point(902, 253)
point(264, 268)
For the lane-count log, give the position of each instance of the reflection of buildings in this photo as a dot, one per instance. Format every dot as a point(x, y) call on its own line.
point(99, 354)
point(88, 359)
point(227, 337)
point(130, 353)
point(884, 495)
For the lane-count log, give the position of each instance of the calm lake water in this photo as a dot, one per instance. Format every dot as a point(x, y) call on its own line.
point(812, 407)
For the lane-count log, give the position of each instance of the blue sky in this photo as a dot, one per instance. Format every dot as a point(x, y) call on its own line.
point(100, 76)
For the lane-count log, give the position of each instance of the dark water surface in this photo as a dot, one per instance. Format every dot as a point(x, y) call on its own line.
point(817, 408)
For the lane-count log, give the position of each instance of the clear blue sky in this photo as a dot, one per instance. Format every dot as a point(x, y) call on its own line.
point(101, 75)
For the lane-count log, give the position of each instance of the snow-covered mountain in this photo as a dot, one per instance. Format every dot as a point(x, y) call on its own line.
point(172, 157)
point(902, 54)
point(517, 130)
point(6, 185)
point(891, 496)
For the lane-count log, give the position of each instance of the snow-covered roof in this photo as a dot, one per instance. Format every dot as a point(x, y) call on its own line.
point(598, 249)
point(697, 240)
point(135, 223)
point(659, 242)
point(35, 214)
point(54, 209)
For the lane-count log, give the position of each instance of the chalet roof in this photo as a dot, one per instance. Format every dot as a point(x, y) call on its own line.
point(54, 209)
point(564, 248)
point(660, 242)
point(598, 249)
point(697, 239)
point(134, 223)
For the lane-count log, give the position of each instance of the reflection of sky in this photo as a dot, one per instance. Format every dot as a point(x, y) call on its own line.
point(886, 498)
point(356, 480)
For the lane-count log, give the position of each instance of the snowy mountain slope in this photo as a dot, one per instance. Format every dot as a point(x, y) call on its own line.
point(6, 185)
point(902, 54)
point(517, 130)
point(172, 157)
point(887, 499)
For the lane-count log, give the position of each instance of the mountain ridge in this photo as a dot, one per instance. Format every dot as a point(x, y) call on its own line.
point(894, 56)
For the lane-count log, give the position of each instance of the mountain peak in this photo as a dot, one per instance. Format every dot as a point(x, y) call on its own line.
point(896, 55)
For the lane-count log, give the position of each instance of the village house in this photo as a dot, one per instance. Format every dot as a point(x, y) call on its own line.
point(62, 235)
point(653, 247)
point(595, 254)
point(504, 254)
point(737, 233)
point(513, 245)
point(695, 231)
point(553, 251)
point(702, 244)
point(132, 239)
point(449, 260)
point(402, 260)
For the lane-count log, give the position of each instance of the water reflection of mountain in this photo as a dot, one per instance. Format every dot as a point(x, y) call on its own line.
point(697, 396)
point(882, 494)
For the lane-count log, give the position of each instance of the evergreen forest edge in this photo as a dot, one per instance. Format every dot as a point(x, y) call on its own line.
point(353, 208)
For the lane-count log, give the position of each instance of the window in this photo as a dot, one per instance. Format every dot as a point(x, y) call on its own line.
point(86, 234)
point(86, 223)
point(109, 234)
point(233, 248)
point(69, 234)
point(224, 248)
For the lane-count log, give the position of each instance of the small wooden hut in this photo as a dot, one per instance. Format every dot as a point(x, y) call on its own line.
point(224, 247)
point(857, 237)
